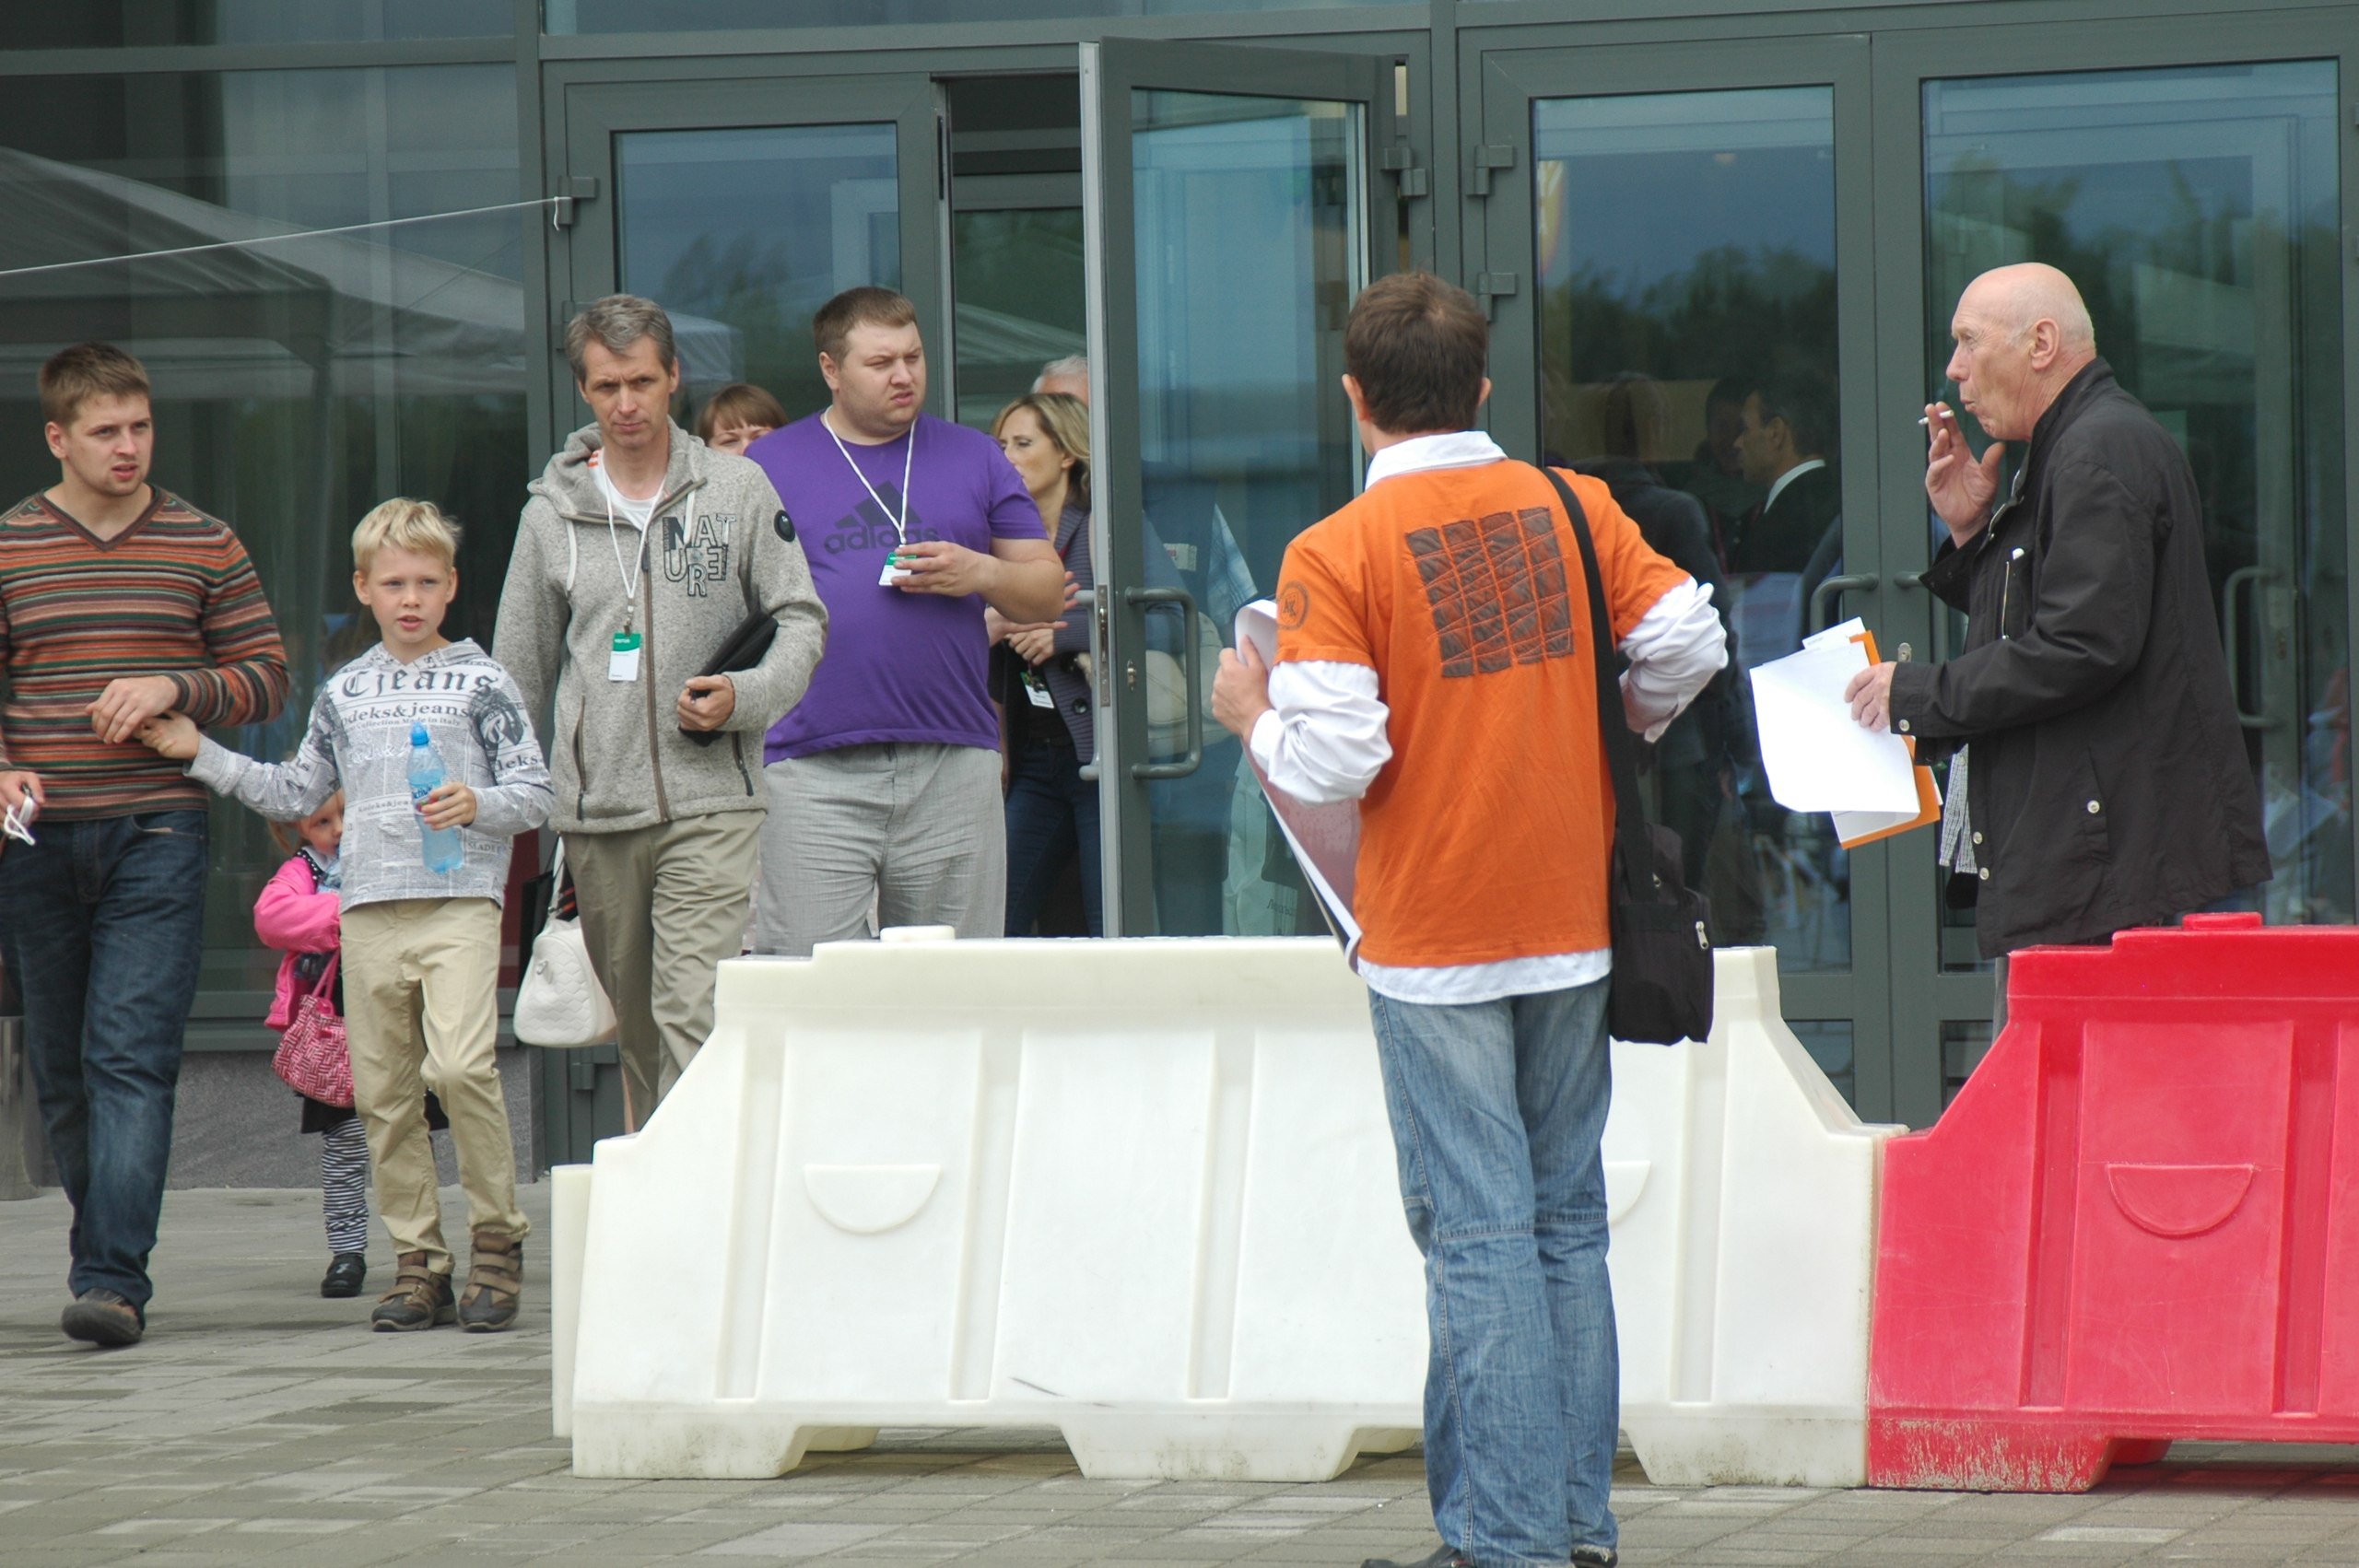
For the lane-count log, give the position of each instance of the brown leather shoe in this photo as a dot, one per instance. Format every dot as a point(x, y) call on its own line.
point(420, 1298)
point(494, 1279)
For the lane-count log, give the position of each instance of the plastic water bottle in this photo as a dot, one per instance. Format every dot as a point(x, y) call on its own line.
point(442, 852)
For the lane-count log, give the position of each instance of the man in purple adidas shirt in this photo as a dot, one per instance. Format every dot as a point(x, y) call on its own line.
point(883, 781)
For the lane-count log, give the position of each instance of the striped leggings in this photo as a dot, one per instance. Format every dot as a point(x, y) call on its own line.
point(344, 1186)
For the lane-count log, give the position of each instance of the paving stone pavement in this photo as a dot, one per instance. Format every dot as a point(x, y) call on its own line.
point(259, 1423)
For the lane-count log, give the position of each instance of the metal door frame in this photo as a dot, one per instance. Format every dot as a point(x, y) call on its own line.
point(1924, 997)
point(1110, 70)
point(587, 115)
point(1498, 235)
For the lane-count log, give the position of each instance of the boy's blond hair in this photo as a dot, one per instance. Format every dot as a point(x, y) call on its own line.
point(401, 523)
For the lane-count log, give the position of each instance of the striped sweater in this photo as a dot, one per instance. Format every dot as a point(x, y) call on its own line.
point(174, 594)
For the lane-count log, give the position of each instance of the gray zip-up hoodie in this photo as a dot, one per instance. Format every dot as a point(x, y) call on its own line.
point(358, 742)
point(718, 547)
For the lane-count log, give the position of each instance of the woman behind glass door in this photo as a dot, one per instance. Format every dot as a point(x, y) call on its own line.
point(1044, 697)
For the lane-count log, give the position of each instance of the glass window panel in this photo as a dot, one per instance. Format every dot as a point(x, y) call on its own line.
point(1965, 1042)
point(1686, 257)
point(744, 234)
point(692, 16)
point(2197, 210)
point(115, 24)
point(1017, 293)
point(1020, 302)
point(1247, 231)
point(297, 381)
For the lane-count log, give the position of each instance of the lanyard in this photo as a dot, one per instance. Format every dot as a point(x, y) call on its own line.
point(900, 524)
point(607, 493)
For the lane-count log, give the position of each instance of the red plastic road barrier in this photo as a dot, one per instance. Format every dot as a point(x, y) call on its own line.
point(2139, 1221)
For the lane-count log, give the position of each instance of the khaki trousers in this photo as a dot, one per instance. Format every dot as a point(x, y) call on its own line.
point(661, 907)
point(430, 964)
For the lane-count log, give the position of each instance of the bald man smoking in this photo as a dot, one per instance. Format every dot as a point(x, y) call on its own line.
point(2108, 785)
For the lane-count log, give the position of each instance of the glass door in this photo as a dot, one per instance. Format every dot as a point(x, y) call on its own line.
point(741, 206)
point(1229, 203)
point(1675, 256)
point(2196, 204)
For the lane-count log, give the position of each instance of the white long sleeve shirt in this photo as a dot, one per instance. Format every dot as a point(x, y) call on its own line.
point(1324, 739)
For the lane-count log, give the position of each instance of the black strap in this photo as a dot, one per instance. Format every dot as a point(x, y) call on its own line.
point(1621, 751)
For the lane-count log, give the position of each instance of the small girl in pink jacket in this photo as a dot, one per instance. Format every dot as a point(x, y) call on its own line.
point(297, 914)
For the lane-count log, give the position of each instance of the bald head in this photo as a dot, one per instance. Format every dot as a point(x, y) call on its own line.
point(2028, 293)
point(2022, 333)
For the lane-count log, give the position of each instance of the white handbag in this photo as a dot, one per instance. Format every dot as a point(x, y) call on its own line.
point(560, 1004)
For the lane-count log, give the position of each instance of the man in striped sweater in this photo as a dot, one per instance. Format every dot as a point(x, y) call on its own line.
point(118, 601)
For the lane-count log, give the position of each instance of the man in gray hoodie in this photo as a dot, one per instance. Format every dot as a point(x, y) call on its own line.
point(642, 553)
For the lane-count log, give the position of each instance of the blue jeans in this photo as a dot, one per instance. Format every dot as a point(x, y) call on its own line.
point(1051, 817)
point(104, 922)
point(1497, 1109)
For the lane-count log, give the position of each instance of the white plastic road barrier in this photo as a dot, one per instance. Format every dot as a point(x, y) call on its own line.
point(569, 1226)
point(1742, 1189)
point(1143, 1192)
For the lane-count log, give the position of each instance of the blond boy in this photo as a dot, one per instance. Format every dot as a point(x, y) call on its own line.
point(416, 942)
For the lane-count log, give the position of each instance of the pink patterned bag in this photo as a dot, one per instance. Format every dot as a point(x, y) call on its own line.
point(312, 1056)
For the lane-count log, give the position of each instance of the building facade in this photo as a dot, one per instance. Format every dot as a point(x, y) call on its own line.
point(355, 228)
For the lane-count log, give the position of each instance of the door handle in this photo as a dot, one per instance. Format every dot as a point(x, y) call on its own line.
point(1827, 589)
point(2231, 638)
point(1940, 614)
point(1191, 682)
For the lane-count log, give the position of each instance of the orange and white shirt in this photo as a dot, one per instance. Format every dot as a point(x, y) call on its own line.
point(1434, 661)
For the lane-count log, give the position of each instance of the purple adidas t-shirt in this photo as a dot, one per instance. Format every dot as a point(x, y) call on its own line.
point(898, 666)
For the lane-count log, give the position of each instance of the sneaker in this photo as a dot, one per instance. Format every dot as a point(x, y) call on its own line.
point(346, 1270)
point(495, 1280)
point(1440, 1557)
point(101, 1318)
point(420, 1299)
point(1595, 1557)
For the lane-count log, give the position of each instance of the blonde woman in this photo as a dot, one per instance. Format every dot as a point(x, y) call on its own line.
point(1052, 810)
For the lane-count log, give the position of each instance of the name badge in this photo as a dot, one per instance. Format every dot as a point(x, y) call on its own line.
point(622, 660)
point(1037, 692)
point(892, 575)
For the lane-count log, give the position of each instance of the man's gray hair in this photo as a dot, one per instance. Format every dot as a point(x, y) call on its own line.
point(618, 322)
point(1072, 367)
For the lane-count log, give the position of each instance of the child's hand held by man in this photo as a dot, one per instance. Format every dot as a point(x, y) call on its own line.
point(174, 736)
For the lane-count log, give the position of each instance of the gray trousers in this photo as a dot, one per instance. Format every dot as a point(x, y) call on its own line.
point(917, 829)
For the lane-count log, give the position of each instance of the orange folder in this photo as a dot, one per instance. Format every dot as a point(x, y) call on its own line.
point(1855, 828)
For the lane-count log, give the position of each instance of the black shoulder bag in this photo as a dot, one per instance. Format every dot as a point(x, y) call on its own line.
point(1663, 944)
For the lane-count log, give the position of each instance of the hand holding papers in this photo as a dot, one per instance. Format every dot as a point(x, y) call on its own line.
point(1817, 756)
point(1325, 840)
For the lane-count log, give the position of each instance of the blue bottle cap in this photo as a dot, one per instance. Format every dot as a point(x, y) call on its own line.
point(418, 737)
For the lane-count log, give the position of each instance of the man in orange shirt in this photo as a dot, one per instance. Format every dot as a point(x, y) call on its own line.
point(1433, 664)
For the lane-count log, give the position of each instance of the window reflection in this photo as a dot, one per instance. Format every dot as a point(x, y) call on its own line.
point(297, 381)
point(2197, 210)
point(695, 16)
point(1247, 243)
point(744, 234)
point(1686, 267)
point(117, 24)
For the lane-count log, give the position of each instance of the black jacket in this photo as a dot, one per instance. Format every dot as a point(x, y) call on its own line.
point(2108, 785)
point(1783, 537)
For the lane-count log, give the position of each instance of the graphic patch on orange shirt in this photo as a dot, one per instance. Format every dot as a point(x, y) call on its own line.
point(1496, 590)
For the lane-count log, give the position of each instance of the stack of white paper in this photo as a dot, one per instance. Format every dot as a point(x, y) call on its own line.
point(1817, 756)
